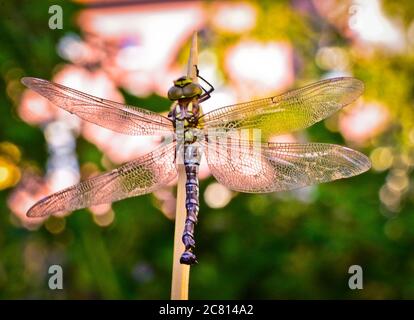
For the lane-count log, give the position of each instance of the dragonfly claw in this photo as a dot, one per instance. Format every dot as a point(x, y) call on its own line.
point(188, 258)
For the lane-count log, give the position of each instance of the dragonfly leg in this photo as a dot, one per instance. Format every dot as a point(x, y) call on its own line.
point(206, 95)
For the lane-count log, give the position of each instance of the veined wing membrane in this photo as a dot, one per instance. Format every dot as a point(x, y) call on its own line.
point(138, 177)
point(105, 113)
point(293, 110)
point(255, 167)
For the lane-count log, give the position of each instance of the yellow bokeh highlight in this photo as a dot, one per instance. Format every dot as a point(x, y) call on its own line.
point(55, 225)
point(398, 182)
point(4, 174)
point(11, 150)
point(9, 173)
point(104, 220)
point(382, 158)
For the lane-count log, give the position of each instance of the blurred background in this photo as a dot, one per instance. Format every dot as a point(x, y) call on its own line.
point(288, 245)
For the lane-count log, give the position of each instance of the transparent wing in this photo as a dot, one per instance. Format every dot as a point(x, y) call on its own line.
point(247, 166)
point(137, 177)
point(294, 110)
point(105, 113)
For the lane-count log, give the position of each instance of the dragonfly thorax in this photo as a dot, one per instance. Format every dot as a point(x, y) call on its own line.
point(192, 135)
point(186, 110)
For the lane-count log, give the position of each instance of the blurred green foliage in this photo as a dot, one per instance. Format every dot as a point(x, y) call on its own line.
point(259, 246)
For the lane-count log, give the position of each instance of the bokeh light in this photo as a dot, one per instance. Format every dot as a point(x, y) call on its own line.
point(235, 17)
point(363, 121)
point(382, 158)
point(273, 73)
point(217, 195)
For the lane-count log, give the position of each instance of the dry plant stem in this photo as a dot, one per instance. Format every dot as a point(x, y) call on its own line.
point(181, 272)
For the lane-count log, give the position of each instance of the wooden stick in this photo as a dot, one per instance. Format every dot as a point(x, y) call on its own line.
point(181, 272)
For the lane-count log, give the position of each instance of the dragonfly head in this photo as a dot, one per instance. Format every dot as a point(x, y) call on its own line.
point(184, 88)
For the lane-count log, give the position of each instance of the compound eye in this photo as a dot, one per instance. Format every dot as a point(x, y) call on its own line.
point(175, 93)
point(192, 90)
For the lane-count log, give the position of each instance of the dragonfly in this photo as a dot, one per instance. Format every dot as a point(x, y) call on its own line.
point(237, 157)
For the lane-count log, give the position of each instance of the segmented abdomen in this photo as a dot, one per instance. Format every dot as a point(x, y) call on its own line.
point(192, 155)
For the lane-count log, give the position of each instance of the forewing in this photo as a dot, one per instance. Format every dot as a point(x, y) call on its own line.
point(137, 177)
point(105, 113)
point(294, 110)
point(251, 167)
